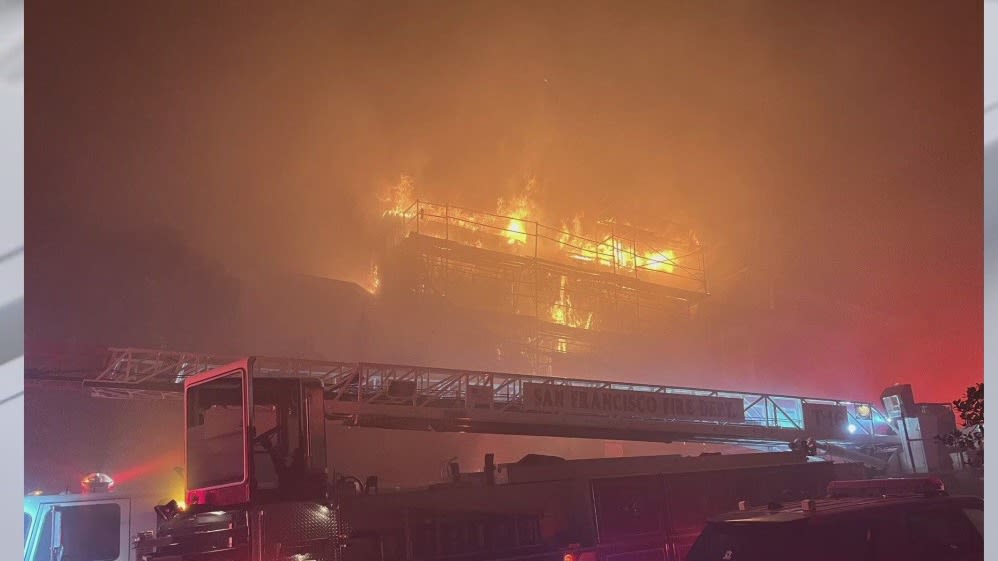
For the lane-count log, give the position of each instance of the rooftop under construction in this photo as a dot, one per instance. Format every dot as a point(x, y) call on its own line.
point(558, 288)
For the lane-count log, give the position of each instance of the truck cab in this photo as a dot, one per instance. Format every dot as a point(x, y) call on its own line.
point(255, 455)
point(83, 527)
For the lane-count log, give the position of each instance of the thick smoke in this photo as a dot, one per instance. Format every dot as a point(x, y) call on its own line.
point(181, 159)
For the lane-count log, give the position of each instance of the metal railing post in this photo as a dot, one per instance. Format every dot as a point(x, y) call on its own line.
point(537, 236)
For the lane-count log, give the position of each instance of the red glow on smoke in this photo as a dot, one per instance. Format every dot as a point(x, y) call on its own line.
point(148, 467)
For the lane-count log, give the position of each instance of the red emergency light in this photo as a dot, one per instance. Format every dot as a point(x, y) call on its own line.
point(97, 483)
point(887, 487)
point(574, 554)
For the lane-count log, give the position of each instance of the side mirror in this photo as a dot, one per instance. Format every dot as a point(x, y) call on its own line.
point(167, 511)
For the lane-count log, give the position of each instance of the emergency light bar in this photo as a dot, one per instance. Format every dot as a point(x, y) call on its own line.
point(887, 487)
point(97, 483)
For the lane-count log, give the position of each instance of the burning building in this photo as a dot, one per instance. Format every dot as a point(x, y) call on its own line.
point(548, 294)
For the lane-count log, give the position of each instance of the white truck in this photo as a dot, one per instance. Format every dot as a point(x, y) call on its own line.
point(85, 526)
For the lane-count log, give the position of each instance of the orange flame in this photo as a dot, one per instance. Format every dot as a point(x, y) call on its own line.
point(520, 209)
point(564, 313)
point(515, 231)
point(373, 280)
point(516, 222)
point(400, 198)
point(660, 260)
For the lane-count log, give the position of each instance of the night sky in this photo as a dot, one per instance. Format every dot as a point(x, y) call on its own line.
point(258, 134)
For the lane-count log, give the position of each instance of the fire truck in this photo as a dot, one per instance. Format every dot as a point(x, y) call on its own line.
point(549, 508)
point(258, 487)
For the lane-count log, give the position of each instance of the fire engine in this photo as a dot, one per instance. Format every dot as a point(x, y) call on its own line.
point(549, 508)
point(258, 487)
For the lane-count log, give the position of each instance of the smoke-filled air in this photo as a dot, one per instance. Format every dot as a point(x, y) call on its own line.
point(790, 194)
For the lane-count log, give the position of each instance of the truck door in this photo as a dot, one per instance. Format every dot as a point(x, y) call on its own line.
point(91, 531)
point(218, 422)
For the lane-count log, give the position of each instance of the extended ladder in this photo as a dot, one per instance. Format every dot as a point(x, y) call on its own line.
point(421, 398)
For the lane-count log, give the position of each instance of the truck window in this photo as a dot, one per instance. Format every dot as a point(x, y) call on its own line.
point(91, 532)
point(842, 540)
point(943, 534)
point(215, 432)
point(278, 447)
point(27, 527)
point(758, 541)
point(264, 420)
point(976, 517)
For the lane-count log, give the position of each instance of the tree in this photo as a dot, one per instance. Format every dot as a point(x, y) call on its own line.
point(970, 439)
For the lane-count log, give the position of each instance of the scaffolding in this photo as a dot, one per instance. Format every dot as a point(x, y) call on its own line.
point(572, 286)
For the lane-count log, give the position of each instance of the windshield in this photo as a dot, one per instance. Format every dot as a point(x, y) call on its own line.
point(833, 539)
point(758, 541)
point(215, 432)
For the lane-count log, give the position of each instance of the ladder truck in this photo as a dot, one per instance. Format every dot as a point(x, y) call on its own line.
point(258, 487)
point(550, 508)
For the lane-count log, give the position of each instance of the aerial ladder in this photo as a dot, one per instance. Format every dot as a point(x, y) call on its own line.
point(410, 397)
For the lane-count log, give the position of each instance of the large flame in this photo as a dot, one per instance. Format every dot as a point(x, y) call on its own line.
point(564, 313)
point(400, 199)
point(660, 260)
point(518, 210)
point(615, 246)
point(516, 231)
point(616, 252)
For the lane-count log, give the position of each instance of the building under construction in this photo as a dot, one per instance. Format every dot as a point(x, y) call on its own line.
point(552, 292)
